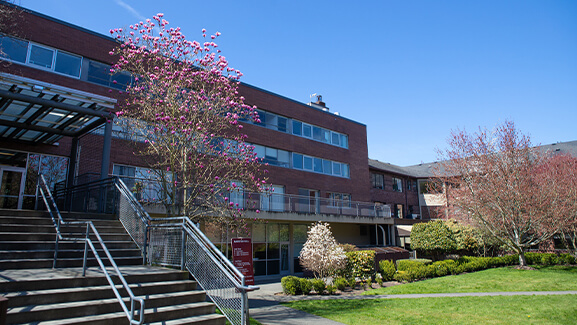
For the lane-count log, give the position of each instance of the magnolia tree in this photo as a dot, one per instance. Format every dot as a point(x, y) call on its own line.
point(498, 181)
point(321, 253)
point(182, 112)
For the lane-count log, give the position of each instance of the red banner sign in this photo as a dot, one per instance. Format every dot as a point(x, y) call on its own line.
point(242, 258)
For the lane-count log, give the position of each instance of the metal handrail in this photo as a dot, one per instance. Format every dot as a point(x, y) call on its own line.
point(58, 221)
point(188, 227)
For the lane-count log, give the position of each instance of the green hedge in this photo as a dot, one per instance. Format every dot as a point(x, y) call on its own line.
point(387, 269)
point(404, 264)
point(413, 270)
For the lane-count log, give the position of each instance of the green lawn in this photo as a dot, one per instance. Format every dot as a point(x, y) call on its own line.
point(551, 278)
point(461, 310)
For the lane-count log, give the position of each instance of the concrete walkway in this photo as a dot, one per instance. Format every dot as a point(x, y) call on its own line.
point(265, 305)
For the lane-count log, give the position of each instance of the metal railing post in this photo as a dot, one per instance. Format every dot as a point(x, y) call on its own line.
point(85, 259)
point(182, 250)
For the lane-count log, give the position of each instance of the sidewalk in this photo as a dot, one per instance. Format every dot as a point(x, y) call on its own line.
point(265, 308)
point(265, 305)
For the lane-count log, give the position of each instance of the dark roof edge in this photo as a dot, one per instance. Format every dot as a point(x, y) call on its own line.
point(301, 103)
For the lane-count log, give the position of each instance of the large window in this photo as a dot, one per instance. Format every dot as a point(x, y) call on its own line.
point(339, 199)
point(377, 181)
point(40, 56)
point(146, 184)
point(100, 73)
point(272, 156)
point(397, 184)
point(319, 165)
point(283, 124)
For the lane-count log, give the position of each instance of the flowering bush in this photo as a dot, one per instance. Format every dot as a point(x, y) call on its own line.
point(321, 252)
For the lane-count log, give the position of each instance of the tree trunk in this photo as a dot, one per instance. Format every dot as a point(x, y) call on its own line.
point(522, 260)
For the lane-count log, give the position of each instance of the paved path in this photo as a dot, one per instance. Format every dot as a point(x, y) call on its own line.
point(265, 307)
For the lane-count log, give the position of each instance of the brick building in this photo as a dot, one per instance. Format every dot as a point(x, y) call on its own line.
point(56, 97)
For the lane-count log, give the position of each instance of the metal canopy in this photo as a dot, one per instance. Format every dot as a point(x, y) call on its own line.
point(39, 112)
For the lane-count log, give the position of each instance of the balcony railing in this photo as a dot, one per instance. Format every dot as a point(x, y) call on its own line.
point(149, 191)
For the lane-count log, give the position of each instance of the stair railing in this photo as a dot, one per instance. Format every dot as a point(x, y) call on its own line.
point(58, 221)
point(177, 242)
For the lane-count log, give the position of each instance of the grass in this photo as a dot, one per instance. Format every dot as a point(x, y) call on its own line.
point(551, 278)
point(463, 310)
point(452, 310)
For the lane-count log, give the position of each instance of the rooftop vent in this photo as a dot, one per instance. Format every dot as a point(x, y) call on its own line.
point(319, 102)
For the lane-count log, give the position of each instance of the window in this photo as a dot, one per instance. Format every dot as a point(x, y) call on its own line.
point(428, 187)
point(15, 49)
point(43, 57)
point(318, 165)
point(411, 185)
point(100, 73)
point(308, 163)
point(398, 212)
point(297, 161)
point(297, 128)
point(272, 156)
point(68, 64)
point(145, 183)
point(377, 181)
point(307, 131)
point(273, 201)
point(397, 184)
point(339, 199)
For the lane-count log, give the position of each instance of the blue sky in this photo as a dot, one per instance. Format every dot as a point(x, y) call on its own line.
point(411, 71)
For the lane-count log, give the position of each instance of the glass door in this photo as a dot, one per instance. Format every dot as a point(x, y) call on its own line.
point(11, 187)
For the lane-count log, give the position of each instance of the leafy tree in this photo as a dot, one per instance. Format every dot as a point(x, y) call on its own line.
point(497, 180)
point(321, 253)
point(433, 238)
point(182, 112)
point(560, 175)
point(466, 237)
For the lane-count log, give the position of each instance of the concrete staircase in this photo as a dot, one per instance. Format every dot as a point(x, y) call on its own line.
point(38, 294)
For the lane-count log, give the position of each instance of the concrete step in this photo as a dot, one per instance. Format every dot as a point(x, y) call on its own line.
point(35, 236)
point(5, 220)
point(46, 279)
point(64, 245)
point(70, 253)
point(61, 296)
point(105, 228)
point(83, 307)
point(156, 316)
point(67, 262)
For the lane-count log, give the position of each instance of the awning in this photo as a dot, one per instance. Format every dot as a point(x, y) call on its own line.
point(404, 231)
point(39, 112)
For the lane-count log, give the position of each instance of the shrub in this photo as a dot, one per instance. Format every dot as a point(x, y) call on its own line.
point(306, 286)
point(379, 279)
point(352, 282)
point(341, 283)
point(442, 268)
point(567, 258)
point(360, 264)
point(387, 269)
point(548, 259)
point(368, 283)
point(291, 285)
point(404, 264)
point(433, 238)
point(331, 289)
point(348, 247)
point(401, 276)
point(319, 286)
